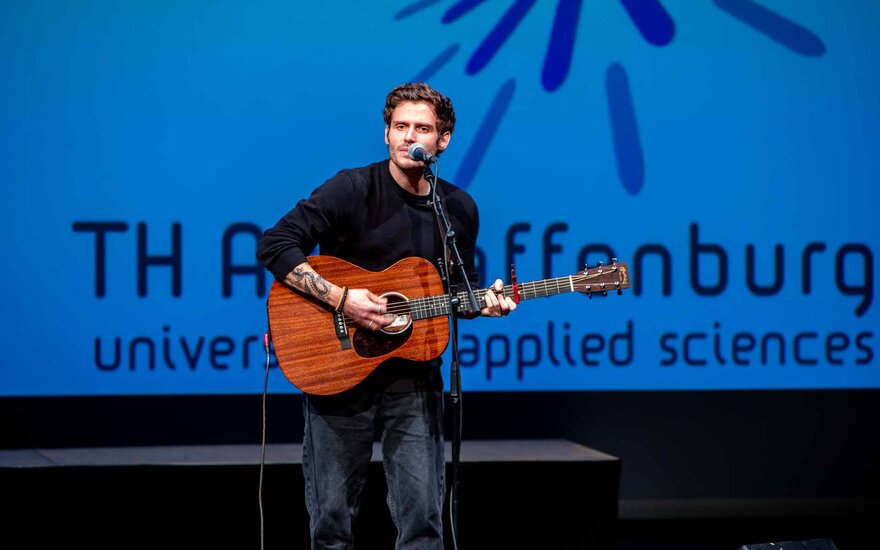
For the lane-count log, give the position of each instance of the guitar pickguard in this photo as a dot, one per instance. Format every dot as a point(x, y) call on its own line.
point(369, 343)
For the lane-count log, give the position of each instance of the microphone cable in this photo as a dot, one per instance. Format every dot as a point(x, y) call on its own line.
point(263, 442)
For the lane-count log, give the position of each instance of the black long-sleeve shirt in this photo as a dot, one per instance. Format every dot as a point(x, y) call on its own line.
point(363, 216)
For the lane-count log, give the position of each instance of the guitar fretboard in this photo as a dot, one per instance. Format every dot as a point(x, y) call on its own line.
point(433, 306)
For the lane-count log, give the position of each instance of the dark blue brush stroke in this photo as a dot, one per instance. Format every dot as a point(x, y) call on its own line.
point(414, 8)
point(774, 26)
point(485, 133)
point(652, 20)
point(625, 131)
point(459, 9)
point(559, 51)
point(498, 35)
point(436, 64)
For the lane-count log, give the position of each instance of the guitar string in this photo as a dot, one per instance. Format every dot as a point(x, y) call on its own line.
point(430, 305)
point(528, 290)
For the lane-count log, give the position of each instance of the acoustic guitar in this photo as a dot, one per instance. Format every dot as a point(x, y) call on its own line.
point(323, 353)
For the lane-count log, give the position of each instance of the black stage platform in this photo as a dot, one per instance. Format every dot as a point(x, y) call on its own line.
point(542, 493)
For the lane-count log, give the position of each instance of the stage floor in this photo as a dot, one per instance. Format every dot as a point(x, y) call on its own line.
point(512, 494)
point(530, 493)
point(528, 450)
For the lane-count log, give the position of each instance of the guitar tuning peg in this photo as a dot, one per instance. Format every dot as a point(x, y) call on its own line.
point(619, 292)
point(613, 261)
point(599, 264)
point(590, 295)
point(604, 293)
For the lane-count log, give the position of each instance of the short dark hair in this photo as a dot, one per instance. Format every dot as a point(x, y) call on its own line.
point(420, 91)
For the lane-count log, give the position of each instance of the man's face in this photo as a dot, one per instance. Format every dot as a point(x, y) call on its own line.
point(413, 122)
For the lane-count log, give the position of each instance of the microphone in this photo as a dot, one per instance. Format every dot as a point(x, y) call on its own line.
point(417, 151)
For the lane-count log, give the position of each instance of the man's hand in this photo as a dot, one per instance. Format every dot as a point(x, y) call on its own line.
point(496, 303)
point(367, 309)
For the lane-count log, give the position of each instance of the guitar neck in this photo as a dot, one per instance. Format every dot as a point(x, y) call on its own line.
point(433, 306)
point(525, 291)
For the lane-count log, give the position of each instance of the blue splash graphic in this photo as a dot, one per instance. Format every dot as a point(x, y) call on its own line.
point(774, 26)
point(436, 64)
point(652, 20)
point(654, 24)
point(496, 38)
point(627, 146)
point(414, 8)
point(561, 48)
point(474, 156)
point(460, 9)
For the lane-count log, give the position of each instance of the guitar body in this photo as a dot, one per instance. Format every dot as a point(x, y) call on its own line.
point(308, 350)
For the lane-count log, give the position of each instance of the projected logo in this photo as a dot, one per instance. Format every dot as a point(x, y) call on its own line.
point(654, 24)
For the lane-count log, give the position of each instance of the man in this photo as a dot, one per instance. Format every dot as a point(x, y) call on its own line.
point(373, 217)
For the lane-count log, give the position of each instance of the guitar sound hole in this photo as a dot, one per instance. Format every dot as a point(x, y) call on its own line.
point(375, 343)
point(400, 316)
point(369, 343)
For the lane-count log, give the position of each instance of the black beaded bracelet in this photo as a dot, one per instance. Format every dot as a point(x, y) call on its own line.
point(341, 303)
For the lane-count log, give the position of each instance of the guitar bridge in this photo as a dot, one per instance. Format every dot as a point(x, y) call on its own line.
point(341, 329)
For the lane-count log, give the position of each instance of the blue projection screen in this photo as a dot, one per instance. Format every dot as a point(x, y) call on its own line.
point(726, 150)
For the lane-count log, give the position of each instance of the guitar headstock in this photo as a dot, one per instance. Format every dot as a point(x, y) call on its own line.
point(602, 278)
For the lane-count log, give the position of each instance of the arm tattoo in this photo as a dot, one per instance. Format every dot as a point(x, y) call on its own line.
point(310, 283)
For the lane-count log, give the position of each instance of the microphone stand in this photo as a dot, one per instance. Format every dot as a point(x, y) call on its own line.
point(454, 303)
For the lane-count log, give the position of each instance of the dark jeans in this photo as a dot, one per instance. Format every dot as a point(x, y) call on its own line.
point(337, 445)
